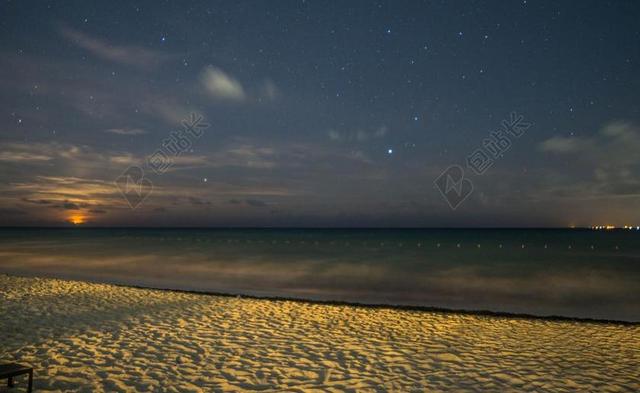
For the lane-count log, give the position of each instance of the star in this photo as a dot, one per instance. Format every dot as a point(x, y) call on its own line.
point(389, 151)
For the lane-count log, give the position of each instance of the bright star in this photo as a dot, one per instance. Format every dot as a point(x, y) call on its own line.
point(390, 151)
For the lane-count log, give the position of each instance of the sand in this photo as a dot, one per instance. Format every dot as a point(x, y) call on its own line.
point(95, 337)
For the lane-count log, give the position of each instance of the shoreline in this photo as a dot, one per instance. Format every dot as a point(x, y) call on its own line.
point(360, 305)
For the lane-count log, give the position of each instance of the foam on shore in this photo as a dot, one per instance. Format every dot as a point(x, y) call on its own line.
point(97, 337)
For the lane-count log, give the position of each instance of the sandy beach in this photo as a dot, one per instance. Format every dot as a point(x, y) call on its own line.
point(95, 337)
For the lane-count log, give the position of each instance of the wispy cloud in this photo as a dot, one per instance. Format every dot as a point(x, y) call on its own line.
point(33, 152)
point(222, 85)
point(125, 54)
point(126, 131)
point(249, 202)
point(21, 156)
point(617, 142)
point(248, 156)
point(358, 135)
point(66, 155)
point(166, 108)
point(610, 158)
point(270, 91)
point(562, 144)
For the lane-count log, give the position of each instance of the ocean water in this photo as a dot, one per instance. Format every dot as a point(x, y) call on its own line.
point(574, 273)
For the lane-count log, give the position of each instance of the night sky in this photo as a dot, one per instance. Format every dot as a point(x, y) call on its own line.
point(319, 113)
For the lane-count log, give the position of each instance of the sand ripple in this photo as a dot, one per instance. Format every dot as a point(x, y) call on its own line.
point(95, 338)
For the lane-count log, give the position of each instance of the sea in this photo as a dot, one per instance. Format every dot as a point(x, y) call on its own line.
point(576, 273)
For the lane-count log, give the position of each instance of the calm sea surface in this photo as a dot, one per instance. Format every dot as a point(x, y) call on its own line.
point(577, 273)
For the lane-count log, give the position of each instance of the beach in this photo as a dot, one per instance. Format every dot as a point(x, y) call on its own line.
point(90, 337)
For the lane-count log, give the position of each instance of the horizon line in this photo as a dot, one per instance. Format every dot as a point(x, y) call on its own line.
point(71, 226)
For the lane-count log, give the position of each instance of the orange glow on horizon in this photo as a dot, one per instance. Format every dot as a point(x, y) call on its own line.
point(77, 219)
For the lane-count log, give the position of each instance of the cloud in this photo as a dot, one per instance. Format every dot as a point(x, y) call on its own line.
point(198, 201)
point(236, 154)
point(248, 202)
point(615, 143)
point(126, 131)
point(560, 144)
point(124, 159)
point(184, 162)
point(249, 156)
point(358, 135)
point(221, 85)
point(65, 189)
point(9, 211)
point(76, 156)
point(255, 203)
point(270, 90)
point(37, 152)
point(19, 156)
point(103, 102)
point(70, 206)
point(610, 158)
point(334, 135)
point(38, 201)
point(129, 55)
